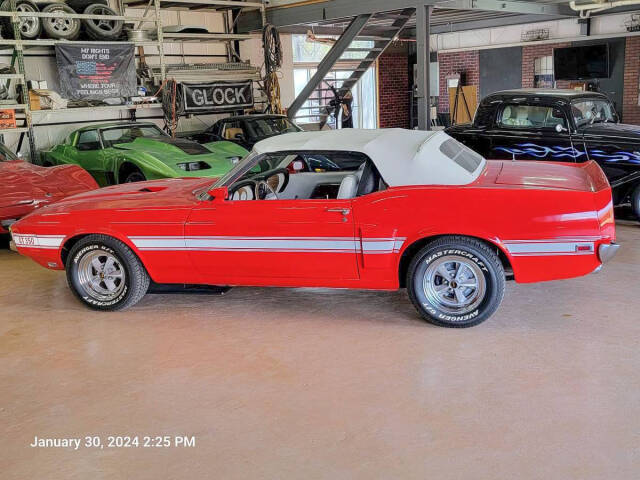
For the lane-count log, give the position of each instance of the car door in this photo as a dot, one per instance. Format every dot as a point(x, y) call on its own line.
point(87, 153)
point(290, 240)
point(245, 242)
point(528, 131)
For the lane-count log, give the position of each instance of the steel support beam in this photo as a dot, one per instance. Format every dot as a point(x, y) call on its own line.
point(423, 33)
point(341, 9)
point(329, 61)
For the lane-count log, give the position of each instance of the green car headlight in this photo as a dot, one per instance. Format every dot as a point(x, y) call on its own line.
point(193, 166)
point(234, 160)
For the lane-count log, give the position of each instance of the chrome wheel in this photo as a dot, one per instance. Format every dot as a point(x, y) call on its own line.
point(29, 26)
point(454, 284)
point(101, 275)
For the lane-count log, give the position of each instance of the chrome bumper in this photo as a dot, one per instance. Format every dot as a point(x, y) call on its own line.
point(607, 251)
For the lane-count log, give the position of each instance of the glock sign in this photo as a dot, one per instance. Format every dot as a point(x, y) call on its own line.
point(217, 96)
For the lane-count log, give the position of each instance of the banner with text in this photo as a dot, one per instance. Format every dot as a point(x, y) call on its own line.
point(96, 72)
point(216, 96)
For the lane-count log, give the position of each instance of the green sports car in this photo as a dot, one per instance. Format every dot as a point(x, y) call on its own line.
point(130, 152)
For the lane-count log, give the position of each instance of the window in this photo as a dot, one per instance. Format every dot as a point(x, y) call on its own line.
point(88, 140)
point(113, 136)
point(231, 130)
point(587, 111)
point(533, 116)
point(307, 55)
point(261, 128)
point(543, 72)
point(463, 156)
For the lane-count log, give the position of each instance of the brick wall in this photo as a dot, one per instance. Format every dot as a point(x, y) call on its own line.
point(457, 62)
point(393, 87)
point(529, 54)
point(631, 81)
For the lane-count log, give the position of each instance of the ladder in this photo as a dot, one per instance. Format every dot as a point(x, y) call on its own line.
point(339, 71)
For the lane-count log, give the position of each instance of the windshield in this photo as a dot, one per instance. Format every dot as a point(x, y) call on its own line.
point(128, 133)
point(267, 127)
point(588, 111)
point(6, 154)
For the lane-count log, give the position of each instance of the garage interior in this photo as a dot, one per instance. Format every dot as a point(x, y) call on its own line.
point(314, 382)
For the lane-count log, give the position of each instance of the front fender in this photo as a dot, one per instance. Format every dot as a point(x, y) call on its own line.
point(151, 167)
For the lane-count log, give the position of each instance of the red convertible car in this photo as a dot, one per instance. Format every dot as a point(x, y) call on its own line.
point(400, 208)
point(25, 186)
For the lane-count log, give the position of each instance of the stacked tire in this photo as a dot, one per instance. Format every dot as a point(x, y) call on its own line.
point(30, 27)
point(62, 27)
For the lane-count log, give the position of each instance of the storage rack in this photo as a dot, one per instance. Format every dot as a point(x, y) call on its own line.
point(230, 9)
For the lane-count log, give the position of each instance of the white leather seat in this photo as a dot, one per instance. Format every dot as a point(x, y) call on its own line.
point(348, 187)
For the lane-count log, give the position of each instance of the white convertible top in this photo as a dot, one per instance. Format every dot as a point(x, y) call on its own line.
point(403, 157)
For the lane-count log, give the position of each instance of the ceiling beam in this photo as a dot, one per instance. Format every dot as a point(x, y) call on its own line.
point(341, 9)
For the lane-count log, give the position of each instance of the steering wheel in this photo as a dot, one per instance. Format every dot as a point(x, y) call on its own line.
point(264, 191)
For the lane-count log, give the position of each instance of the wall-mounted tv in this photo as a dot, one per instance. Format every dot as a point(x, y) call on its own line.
point(581, 63)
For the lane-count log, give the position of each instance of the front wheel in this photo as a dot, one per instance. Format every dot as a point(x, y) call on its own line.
point(635, 202)
point(456, 282)
point(105, 274)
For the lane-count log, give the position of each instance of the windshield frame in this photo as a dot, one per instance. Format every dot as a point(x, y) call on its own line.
point(161, 133)
point(239, 169)
point(8, 154)
point(612, 110)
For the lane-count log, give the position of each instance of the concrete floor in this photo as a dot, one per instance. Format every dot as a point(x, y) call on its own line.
point(292, 384)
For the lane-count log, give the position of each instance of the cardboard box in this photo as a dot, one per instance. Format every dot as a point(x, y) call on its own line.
point(34, 101)
point(7, 118)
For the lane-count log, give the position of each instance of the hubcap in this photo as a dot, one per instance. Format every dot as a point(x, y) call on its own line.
point(101, 275)
point(454, 284)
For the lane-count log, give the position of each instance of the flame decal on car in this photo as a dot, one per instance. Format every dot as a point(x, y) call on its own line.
point(559, 152)
point(540, 151)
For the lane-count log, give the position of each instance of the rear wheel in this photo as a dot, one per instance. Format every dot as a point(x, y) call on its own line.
point(456, 282)
point(105, 274)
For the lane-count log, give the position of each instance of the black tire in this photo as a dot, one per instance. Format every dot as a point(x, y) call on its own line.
point(102, 29)
point(132, 287)
point(482, 266)
point(61, 28)
point(30, 27)
point(134, 176)
point(635, 202)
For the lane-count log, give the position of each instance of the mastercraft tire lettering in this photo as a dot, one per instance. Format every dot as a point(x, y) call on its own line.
point(456, 282)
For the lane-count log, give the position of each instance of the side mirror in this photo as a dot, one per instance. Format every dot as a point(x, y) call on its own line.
point(219, 194)
point(560, 128)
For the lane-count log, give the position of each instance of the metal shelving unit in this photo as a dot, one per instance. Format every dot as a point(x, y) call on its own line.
point(229, 8)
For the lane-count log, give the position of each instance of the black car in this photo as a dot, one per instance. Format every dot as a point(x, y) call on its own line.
point(246, 130)
point(558, 125)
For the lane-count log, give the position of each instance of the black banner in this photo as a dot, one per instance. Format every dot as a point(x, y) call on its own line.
point(96, 72)
point(216, 96)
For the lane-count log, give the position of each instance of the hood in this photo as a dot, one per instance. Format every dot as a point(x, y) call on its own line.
point(173, 151)
point(23, 182)
point(166, 193)
point(620, 130)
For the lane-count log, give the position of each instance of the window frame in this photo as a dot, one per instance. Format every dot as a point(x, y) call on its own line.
point(98, 135)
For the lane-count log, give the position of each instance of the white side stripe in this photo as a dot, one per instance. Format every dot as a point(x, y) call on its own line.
point(549, 247)
point(38, 241)
point(270, 244)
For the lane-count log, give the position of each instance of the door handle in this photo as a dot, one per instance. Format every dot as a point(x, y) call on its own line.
point(343, 211)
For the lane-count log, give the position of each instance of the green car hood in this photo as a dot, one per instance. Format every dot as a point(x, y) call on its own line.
point(220, 157)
